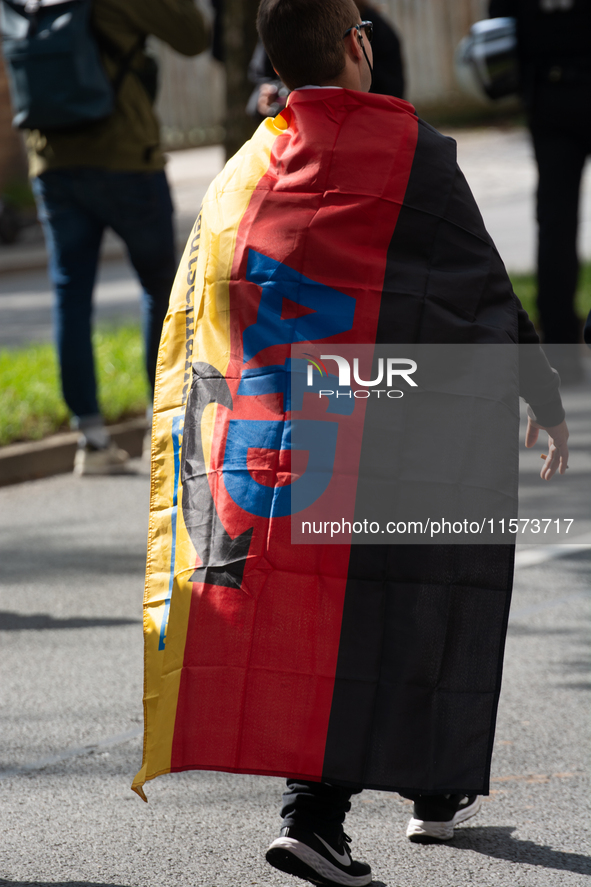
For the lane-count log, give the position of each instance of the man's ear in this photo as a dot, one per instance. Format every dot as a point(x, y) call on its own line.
point(353, 45)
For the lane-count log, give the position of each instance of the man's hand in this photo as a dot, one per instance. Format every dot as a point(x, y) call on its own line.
point(557, 458)
point(270, 102)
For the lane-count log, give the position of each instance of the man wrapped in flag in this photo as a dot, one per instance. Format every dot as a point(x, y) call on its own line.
point(345, 220)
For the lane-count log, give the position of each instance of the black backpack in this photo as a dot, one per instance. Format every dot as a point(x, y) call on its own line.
point(57, 80)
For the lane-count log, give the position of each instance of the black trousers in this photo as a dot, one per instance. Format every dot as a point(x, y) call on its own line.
point(561, 131)
point(318, 806)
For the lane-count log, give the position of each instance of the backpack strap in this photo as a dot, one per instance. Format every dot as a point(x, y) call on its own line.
point(123, 59)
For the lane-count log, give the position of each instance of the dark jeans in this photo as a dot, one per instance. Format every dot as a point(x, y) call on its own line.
point(75, 206)
point(561, 133)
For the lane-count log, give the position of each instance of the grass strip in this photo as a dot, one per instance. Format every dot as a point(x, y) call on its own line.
point(525, 290)
point(31, 405)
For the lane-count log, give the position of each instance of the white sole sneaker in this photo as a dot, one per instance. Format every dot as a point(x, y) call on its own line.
point(423, 832)
point(296, 858)
point(111, 460)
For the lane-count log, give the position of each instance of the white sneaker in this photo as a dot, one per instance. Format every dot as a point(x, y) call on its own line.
point(312, 858)
point(110, 460)
point(434, 818)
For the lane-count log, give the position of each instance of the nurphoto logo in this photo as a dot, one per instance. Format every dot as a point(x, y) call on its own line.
point(396, 368)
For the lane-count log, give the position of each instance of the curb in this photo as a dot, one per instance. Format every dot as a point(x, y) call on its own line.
point(55, 454)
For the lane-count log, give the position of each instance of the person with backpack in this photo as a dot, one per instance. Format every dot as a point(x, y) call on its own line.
point(96, 162)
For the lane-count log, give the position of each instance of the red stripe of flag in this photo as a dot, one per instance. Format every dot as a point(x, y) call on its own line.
point(258, 675)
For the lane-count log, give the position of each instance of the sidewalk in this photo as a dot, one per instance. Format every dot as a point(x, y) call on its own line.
point(498, 165)
point(189, 173)
point(500, 168)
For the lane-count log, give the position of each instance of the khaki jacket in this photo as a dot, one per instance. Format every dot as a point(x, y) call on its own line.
point(129, 139)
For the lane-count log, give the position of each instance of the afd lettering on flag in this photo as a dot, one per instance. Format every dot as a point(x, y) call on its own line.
point(223, 557)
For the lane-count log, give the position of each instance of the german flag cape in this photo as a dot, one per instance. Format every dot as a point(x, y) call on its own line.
point(344, 220)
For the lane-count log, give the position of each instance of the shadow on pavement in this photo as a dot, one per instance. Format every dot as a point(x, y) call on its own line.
point(532, 630)
point(38, 621)
point(579, 685)
point(497, 841)
point(49, 560)
point(5, 883)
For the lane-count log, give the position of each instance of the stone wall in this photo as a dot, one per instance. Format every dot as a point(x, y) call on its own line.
point(431, 31)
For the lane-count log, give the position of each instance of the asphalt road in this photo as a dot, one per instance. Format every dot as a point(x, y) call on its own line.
point(72, 559)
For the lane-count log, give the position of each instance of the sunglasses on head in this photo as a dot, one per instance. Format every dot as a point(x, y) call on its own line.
point(367, 27)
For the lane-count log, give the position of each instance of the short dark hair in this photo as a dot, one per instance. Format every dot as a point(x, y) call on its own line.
point(304, 38)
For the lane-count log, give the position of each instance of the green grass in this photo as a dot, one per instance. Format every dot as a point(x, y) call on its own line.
point(525, 289)
point(18, 193)
point(467, 114)
point(31, 405)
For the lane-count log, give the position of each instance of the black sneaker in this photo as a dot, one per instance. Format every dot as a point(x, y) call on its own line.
point(434, 817)
point(312, 858)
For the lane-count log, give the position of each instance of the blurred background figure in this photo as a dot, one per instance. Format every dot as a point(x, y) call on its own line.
point(270, 94)
point(108, 173)
point(233, 43)
point(388, 68)
point(554, 49)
